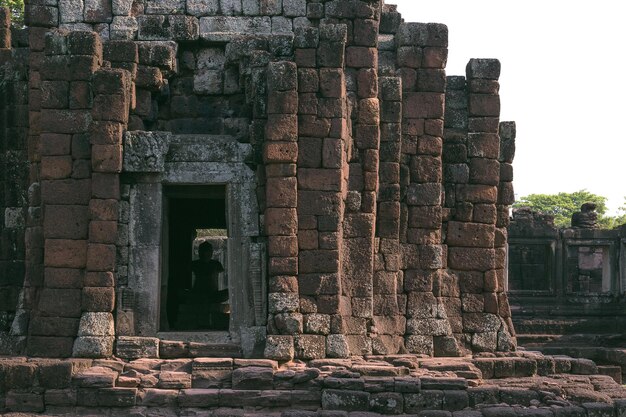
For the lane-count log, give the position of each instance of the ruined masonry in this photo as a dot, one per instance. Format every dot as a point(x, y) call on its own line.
point(366, 194)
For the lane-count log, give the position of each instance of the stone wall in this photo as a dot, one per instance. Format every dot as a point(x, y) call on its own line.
point(370, 192)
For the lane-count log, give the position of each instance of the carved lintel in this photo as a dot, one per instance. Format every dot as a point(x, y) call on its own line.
point(145, 151)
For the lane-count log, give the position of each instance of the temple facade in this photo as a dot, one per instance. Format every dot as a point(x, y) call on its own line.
point(356, 197)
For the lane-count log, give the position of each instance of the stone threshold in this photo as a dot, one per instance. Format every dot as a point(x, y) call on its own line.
point(520, 383)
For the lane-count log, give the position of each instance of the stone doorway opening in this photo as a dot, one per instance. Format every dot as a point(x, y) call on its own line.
point(194, 284)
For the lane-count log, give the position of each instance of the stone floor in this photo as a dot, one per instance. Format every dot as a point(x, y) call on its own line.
point(517, 384)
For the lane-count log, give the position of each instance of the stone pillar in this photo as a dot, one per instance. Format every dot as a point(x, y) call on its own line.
point(322, 125)
point(388, 279)
point(506, 197)
point(360, 219)
point(39, 18)
point(66, 185)
point(455, 175)
point(281, 218)
point(424, 84)
point(472, 253)
point(111, 103)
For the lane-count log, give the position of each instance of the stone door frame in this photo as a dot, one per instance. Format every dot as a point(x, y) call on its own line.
point(158, 159)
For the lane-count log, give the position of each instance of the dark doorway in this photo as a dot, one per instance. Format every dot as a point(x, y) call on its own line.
point(197, 239)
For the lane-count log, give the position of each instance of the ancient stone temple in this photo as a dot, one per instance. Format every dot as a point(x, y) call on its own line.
point(355, 196)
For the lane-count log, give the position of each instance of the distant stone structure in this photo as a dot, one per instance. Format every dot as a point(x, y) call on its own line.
point(363, 194)
point(567, 286)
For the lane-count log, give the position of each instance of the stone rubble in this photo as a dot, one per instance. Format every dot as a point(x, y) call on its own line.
point(524, 383)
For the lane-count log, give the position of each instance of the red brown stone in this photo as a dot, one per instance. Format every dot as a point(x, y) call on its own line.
point(65, 253)
point(100, 257)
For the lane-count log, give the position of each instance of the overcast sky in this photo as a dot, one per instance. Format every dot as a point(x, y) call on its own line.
point(562, 82)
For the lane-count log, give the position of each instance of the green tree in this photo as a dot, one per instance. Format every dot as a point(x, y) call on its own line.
point(620, 219)
point(563, 205)
point(17, 10)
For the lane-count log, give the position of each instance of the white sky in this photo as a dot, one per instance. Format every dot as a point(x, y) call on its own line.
point(561, 82)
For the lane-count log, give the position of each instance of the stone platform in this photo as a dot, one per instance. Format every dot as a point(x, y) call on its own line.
point(523, 383)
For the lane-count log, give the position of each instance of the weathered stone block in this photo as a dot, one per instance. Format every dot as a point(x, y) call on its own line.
point(145, 151)
point(428, 194)
point(196, 397)
point(93, 347)
point(283, 302)
point(309, 347)
point(137, 347)
point(419, 344)
point(97, 11)
point(279, 348)
point(483, 68)
point(203, 7)
point(345, 400)
point(484, 105)
point(98, 299)
point(288, 323)
point(471, 234)
point(96, 324)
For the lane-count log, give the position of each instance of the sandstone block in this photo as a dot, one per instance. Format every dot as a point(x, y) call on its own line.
point(288, 323)
point(283, 302)
point(203, 7)
point(283, 284)
point(98, 299)
point(428, 194)
point(280, 348)
point(100, 257)
point(318, 284)
point(283, 246)
point(419, 344)
point(471, 259)
point(281, 221)
point(197, 397)
point(320, 261)
point(281, 127)
point(105, 186)
point(137, 347)
point(484, 105)
point(470, 234)
point(309, 347)
point(96, 324)
point(345, 400)
point(483, 68)
point(361, 57)
point(281, 192)
point(63, 278)
point(317, 324)
point(434, 57)
point(280, 152)
point(65, 253)
point(283, 266)
point(337, 346)
point(423, 105)
point(477, 193)
point(331, 54)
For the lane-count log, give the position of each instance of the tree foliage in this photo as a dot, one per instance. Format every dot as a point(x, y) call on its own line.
point(563, 205)
point(17, 10)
